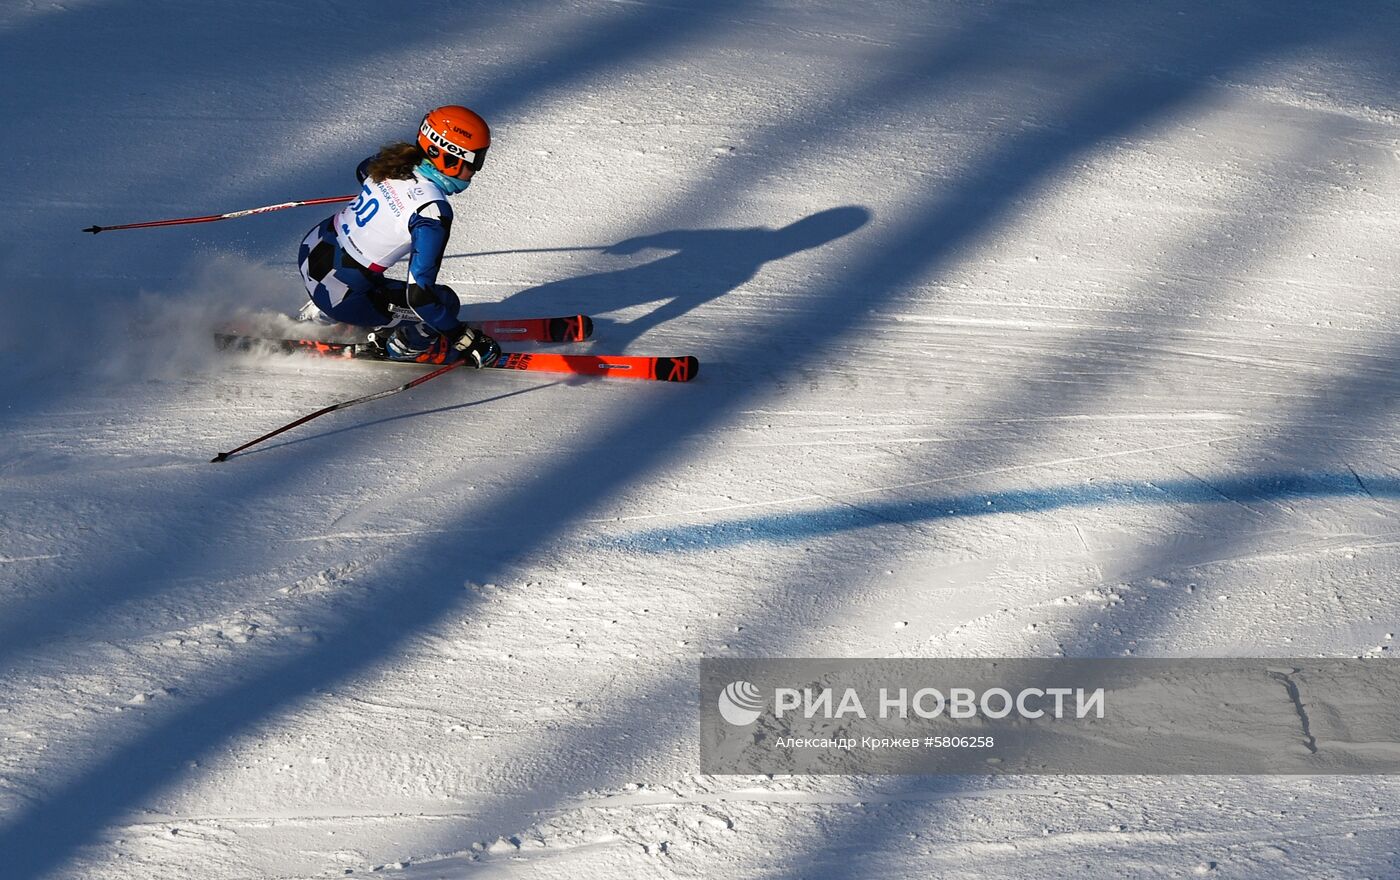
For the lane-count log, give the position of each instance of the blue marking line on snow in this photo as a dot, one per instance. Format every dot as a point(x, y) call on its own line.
point(861, 513)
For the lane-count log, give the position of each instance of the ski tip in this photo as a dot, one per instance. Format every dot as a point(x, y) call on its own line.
point(222, 456)
point(679, 369)
point(93, 229)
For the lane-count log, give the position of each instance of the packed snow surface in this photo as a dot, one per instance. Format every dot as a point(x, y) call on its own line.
point(1027, 329)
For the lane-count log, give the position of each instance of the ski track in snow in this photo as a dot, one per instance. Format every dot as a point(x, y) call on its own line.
point(1026, 330)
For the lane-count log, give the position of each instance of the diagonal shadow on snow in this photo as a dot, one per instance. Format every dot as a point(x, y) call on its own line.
point(809, 525)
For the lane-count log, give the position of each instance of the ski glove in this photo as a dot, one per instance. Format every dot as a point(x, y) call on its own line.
point(476, 348)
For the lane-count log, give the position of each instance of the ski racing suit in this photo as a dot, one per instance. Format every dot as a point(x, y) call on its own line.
point(343, 258)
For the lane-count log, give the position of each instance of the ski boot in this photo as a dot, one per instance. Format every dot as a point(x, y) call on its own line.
point(419, 343)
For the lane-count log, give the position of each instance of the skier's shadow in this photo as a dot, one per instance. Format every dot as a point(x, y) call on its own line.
point(705, 265)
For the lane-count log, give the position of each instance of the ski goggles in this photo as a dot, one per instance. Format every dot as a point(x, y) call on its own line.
point(450, 154)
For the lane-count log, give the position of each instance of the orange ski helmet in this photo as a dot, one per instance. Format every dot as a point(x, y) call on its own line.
point(455, 140)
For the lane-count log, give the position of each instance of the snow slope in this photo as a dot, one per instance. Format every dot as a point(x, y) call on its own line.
point(1028, 328)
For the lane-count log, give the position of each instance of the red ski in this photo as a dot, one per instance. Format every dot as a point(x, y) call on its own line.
point(615, 366)
point(662, 369)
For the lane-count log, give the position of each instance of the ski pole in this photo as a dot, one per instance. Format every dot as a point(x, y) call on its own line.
point(546, 250)
point(344, 404)
point(229, 216)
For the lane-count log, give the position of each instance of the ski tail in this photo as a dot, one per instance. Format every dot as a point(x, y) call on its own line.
point(237, 342)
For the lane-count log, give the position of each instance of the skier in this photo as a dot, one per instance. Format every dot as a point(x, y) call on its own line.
point(401, 211)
